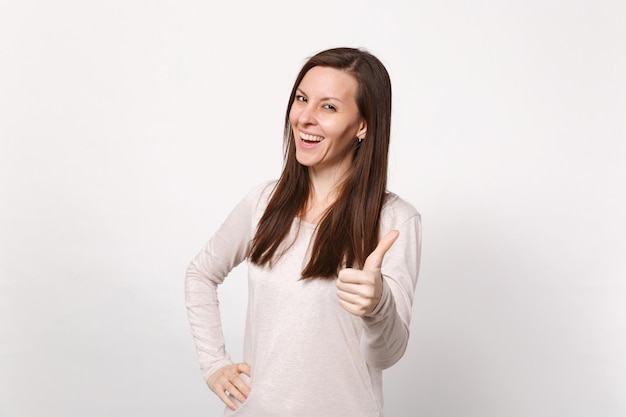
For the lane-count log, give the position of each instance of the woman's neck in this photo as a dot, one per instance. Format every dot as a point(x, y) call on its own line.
point(324, 191)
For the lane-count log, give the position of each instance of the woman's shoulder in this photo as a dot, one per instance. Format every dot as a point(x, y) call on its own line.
point(398, 209)
point(254, 201)
point(260, 193)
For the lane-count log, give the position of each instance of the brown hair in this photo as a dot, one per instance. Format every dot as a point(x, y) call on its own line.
point(349, 230)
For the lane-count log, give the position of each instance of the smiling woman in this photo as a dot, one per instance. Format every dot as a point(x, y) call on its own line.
point(326, 121)
point(333, 257)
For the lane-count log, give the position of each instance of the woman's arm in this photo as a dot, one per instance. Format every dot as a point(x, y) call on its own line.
point(386, 328)
point(226, 249)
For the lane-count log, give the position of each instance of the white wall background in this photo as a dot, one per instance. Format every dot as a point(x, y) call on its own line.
point(129, 129)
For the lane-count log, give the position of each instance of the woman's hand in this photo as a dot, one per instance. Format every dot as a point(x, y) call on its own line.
point(227, 381)
point(359, 291)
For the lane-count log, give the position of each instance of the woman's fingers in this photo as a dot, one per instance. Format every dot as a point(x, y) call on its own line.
point(222, 395)
point(227, 384)
point(358, 291)
point(238, 388)
point(244, 368)
point(356, 304)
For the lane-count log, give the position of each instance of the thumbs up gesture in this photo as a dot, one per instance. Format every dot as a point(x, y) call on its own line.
point(359, 291)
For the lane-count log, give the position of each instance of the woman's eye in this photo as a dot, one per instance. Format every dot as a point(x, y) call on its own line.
point(301, 98)
point(330, 107)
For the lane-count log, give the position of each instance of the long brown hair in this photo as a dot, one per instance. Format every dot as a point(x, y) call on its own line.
point(348, 231)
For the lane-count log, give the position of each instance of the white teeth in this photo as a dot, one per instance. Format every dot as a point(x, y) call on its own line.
point(311, 138)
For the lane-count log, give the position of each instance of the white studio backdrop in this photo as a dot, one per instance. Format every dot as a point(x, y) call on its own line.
point(129, 130)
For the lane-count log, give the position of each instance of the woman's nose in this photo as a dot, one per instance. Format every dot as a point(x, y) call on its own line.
point(307, 115)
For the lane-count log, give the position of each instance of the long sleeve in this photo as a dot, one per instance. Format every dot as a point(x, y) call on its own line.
point(386, 329)
point(226, 249)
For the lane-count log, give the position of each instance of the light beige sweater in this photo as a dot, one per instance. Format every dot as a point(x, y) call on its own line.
point(309, 357)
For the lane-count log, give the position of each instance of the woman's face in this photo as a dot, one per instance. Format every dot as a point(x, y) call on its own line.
point(325, 120)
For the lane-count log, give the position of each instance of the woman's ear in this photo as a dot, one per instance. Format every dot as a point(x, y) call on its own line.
point(362, 130)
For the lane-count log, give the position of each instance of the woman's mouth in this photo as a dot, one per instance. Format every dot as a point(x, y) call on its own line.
point(310, 139)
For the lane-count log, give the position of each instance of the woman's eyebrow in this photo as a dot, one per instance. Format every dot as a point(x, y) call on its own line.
point(322, 99)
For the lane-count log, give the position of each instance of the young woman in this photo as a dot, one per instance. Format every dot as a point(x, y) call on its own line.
point(332, 256)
